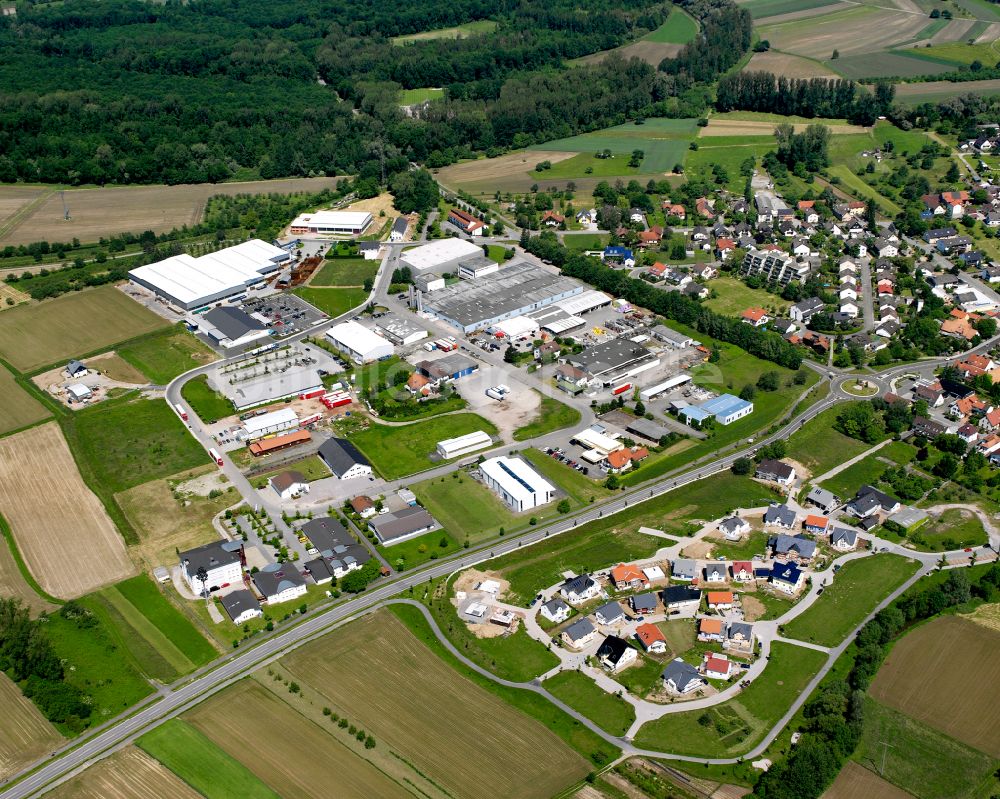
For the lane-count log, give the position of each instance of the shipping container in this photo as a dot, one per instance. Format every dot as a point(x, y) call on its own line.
point(621, 389)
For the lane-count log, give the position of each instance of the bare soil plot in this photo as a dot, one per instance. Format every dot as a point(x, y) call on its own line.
point(990, 34)
point(297, 757)
point(857, 30)
point(104, 212)
point(127, 774)
point(954, 31)
point(803, 13)
point(740, 127)
point(857, 782)
point(68, 541)
point(488, 169)
point(15, 200)
point(933, 91)
point(25, 735)
point(791, 66)
point(375, 206)
point(32, 336)
point(376, 672)
point(18, 408)
point(16, 296)
point(117, 368)
point(959, 658)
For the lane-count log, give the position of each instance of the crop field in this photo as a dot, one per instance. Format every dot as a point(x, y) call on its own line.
point(95, 213)
point(962, 52)
point(200, 763)
point(664, 142)
point(680, 28)
point(498, 172)
point(67, 539)
point(127, 774)
point(466, 29)
point(13, 582)
point(952, 654)
point(126, 443)
point(852, 31)
point(858, 587)
point(857, 782)
point(400, 451)
point(737, 126)
point(935, 91)
point(164, 355)
point(18, 201)
point(25, 735)
point(376, 672)
point(887, 64)
point(16, 296)
point(333, 302)
point(736, 725)
point(32, 336)
point(761, 9)
point(345, 272)
point(646, 49)
point(19, 408)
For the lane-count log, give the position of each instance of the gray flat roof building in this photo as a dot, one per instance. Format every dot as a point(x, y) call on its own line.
point(237, 603)
point(647, 428)
point(326, 533)
point(611, 357)
point(406, 523)
point(513, 291)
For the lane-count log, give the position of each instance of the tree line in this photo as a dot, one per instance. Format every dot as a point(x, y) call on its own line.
point(807, 97)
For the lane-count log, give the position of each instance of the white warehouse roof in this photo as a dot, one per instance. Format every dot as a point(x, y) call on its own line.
point(196, 281)
point(438, 253)
point(516, 478)
point(358, 338)
point(582, 303)
point(597, 441)
point(357, 220)
point(285, 417)
point(452, 447)
point(516, 326)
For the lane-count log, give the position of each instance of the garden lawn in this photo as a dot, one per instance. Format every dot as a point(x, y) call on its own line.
point(398, 451)
point(753, 544)
point(332, 302)
point(207, 403)
point(197, 760)
point(122, 444)
point(854, 593)
point(552, 415)
point(345, 272)
point(819, 447)
point(164, 355)
point(311, 468)
point(733, 727)
point(642, 677)
point(580, 692)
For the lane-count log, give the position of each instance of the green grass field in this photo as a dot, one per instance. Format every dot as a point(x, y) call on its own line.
point(311, 468)
point(760, 9)
point(406, 449)
point(418, 96)
point(164, 355)
point(678, 29)
point(887, 64)
point(97, 664)
point(858, 587)
point(126, 443)
point(734, 726)
point(332, 302)
point(589, 165)
point(919, 759)
point(345, 272)
point(198, 761)
point(18, 409)
point(852, 184)
point(207, 403)
point(581, 693)
point(466, 29)
point(465, 508)
point(715, 150)
point(735, 297)
point(33, 336)
point(578, 242)
point(664, 142)
point(846, 483)
point(818, 447)
point(960, 52)
point(552, 415)
point(581, 489)
point(953, 529)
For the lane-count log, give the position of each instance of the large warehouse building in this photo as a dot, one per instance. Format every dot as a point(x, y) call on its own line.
point(516, 483)
point(441, 256)
point(331, 223)
point(193, 283)
point(358, 342)
point(513, 291)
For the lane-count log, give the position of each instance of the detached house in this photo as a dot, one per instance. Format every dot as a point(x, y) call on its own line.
point(792, 546)
point(843, 539)
point(787, 577)
point(734, 528)
point(780, 516)
point(579, 634)
point(775, 472)
point(578, 590)
point(651, 639)
point(805, 310)
point(615, 653)
point(556, 611)
point(628, 575)
point(681, 678)
point(739, 636)
point(711, 629)
point(755, 317)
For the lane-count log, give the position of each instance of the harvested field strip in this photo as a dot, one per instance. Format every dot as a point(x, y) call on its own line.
point(297, 757)
point(17, 202)
point(25, 735)
point(952, 654)
point(861, 29)
point(934, 91)
point(196, 760)
point(900, 64)
point(374, 671)
point(97, 213)
point(33, 336)
point(791, 66)
point(762, 9)
point(989, 34)
point(16, 579)
point(128, 774)
point(857, 782)
point(18, 408)
point(805, 13)
point(737, 127)
point(44, 498)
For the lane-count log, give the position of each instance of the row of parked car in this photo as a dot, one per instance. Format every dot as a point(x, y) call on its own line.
point(562, 457)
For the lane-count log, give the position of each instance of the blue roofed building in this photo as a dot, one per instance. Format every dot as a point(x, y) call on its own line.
point(727, 409)
point(694, 415)
point(617, 254)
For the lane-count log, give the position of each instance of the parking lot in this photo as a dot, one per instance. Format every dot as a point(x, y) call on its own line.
point(287, 314)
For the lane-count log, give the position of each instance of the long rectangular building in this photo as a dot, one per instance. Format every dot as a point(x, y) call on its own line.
point(774, 267)
point(331, 223)
point(194, 283)
point(516, 483)
point(515, 290)
point(360, 343)
point(274, 422)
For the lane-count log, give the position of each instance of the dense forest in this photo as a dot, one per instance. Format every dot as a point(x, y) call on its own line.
point(120, 91)
point(813, 97)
